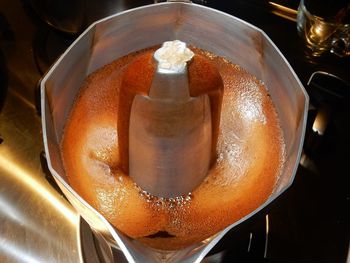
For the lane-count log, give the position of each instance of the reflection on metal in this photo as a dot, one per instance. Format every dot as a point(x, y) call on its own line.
point(320, 124)
point(93, 248)
point(10, 211)
point(283, 11)
point(23, 99)
point(22, 175)
point(36, 223)
point(250, 241)
point(17, 253)
point(266, 235)
point(314, 74)
point(13, 214)
point(308, 163)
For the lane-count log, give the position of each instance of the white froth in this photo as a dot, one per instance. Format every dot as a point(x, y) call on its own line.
point(173, 56)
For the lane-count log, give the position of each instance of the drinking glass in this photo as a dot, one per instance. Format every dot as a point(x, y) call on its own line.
point(325, 27)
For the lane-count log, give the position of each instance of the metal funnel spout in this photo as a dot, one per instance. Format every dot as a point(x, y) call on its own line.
point(170, 132)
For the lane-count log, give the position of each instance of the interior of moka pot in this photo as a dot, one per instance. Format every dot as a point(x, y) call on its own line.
point(208, 29)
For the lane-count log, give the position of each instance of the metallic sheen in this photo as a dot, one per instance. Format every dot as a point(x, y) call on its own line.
point(164, 128)
point(37, 224)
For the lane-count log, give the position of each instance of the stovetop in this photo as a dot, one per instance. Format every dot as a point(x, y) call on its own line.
point(310, 222)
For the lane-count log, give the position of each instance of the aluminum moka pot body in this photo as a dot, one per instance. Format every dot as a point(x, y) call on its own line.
point(132, 30)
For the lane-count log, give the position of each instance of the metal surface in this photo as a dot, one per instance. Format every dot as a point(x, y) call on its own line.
point(206, 28)
point(36, 223)
point(94, 249)
point(177, 120)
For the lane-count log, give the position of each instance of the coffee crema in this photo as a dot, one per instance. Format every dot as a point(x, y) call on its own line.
point(249, 158)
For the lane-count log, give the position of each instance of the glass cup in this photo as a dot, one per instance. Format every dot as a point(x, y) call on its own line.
point(325, 26)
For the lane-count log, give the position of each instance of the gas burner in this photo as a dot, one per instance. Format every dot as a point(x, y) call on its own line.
point(79, 15)
point(328, 113)
point(48, 45)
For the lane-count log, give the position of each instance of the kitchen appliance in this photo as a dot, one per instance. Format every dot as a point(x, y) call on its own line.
point(39, 225)
point(203, 27)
